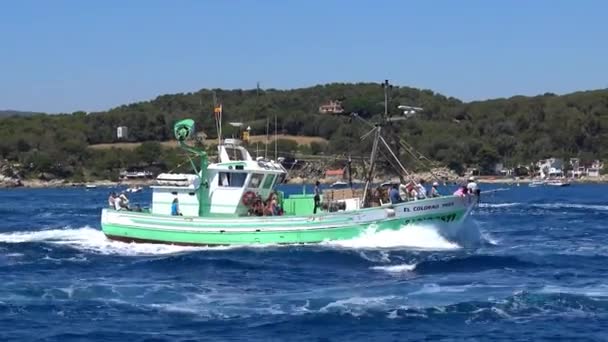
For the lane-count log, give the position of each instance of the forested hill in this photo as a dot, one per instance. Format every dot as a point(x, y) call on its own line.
point(7, 113)
point(515, 130)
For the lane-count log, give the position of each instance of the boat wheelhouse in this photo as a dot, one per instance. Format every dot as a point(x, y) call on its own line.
point(229, 180)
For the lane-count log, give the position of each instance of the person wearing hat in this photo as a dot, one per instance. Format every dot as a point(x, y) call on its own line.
point(471, 185)
point(472, 188)
point(122, 202)
point(434, 191)
point(111, 200)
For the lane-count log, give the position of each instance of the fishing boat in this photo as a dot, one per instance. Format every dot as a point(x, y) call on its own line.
point(217, 203)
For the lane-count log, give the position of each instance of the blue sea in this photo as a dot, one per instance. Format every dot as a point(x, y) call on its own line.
point(538, 272)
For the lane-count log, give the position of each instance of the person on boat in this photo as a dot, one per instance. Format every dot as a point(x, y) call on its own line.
point(121, 202)
point(403, 192)
point(421, 190)
point(471, 185)
point(317, 197)
point(473, 188)
point(271, 207)
point(257, 208)
point(434, 191)
point(394, 194)
point(274, 204)
point(175, 208)
point(111, 200)
point(462, 191)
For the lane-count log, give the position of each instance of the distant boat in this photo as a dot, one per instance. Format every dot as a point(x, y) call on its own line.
point(536, 183)
point(91, 186)
point(558, 182)
point(339, 185)
point(135, 189)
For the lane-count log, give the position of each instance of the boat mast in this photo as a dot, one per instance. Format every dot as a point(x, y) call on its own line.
point(275, 137)
point(217, 111)
point(372, 162)
point(377, 137)
point(266, 144)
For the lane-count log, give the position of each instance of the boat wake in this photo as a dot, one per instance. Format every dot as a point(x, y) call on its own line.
point(88, 239)
point(415, 236)
point(557, 205)
point(92, 240)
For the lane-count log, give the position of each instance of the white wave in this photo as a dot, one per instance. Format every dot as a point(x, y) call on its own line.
point(433, 288)
point(488, 238)
point(495, 190)
point(556, 205)
point(571, 206)
point(93, 240)
point(498, 205)
point(590, 291)
point(396, 268)
point(357, 306)
point(415, 236)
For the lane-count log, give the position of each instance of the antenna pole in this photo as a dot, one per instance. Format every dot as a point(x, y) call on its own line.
point(257, 95)
point(385, 85)
point(275, 137)
point(266, 144)
point(350, 171)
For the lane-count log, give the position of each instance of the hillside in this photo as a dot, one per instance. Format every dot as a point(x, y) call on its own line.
point(453, 133)
point(8, 113)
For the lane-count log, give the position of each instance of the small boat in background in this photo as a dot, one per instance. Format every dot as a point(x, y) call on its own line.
point(558, 182)
point(134, 189)
point(339, 185)
point(535, 183)
point(91, 186)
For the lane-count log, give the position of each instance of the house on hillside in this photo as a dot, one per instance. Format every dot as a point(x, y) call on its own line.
point(337, 174)
point(551, 167)
point(331, 107)
point(122, 132)
point(500, 169)
point(582, 169)
point(595, 168)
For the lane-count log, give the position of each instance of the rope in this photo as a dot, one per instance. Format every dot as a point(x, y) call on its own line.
point(417, 158)
point(180, 164)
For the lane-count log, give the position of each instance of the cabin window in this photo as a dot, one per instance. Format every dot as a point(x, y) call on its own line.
point(268, 181)
point(232, 179)
point(256, 180)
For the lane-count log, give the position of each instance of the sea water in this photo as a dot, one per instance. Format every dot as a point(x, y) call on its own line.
point(538, 272)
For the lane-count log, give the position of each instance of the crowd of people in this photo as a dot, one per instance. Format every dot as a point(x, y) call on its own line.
point(413, 191)
point(121, 202)
point(269, 207)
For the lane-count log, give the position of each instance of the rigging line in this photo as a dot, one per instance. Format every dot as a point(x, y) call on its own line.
point(391, 162)
point(394, 156)
point(180, 164)
point(364, 136)
point(411, 151)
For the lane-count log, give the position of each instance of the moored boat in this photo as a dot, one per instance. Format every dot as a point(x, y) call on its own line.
point(557, 182)
point(535, 183)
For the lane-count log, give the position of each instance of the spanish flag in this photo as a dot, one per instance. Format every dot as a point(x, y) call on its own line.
point(217, 110)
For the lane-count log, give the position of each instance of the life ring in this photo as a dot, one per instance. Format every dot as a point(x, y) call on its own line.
point(248, 198)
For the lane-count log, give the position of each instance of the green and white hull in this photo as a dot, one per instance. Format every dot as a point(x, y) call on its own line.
point(448, 212)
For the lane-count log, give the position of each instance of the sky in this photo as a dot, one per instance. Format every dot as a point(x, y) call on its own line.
point(64, 56)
